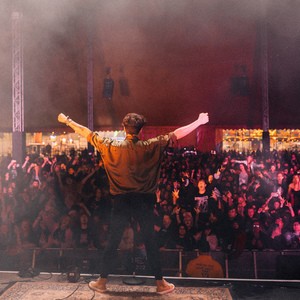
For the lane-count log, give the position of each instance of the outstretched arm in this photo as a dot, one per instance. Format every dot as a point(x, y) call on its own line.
point(81, 130)
point(185, 130)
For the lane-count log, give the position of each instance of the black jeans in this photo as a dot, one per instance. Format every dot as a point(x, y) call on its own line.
point(139, 207)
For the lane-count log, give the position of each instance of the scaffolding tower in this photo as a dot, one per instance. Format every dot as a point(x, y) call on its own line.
point(18, 140)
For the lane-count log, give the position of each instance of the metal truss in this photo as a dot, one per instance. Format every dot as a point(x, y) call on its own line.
point(17, 73)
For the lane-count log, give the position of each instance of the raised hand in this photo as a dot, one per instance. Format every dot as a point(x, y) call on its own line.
point(197, 210)
point(176, 210)
point(175, 196)
point(62, 118)
point(175, 193)
point(203, 118)
point(81, 130)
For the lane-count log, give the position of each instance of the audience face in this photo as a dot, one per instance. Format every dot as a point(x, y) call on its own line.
point(187, 215)
point(210, 178)
point(181, 231)
point(280, 177)
point(276, 205)
point(232, 213)
point(276, 231)
point(25, 227)
point(213, 218)
point(296, 227)
point(250, 212)
point(240, 209)
point(249, 159)
point(228, 194)
point(84, 219)
point(279, 222)
point(188, 222)
point(256, 227)
point(65, 222)
point(6, 176)
point(201, 185)
point(241, 201)
point(167, 221)
point(176, 185)
point(35, 185)
point(296, 179)
point(242, 167)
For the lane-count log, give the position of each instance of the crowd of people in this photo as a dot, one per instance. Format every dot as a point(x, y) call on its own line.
point(230, 200)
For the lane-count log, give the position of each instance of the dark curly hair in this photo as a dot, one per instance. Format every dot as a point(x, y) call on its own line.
point(133, 123)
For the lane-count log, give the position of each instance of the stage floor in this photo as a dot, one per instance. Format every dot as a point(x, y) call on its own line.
point(57, 286)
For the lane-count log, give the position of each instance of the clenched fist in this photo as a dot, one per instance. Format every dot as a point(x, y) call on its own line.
point(62, 118)
point(203, 118)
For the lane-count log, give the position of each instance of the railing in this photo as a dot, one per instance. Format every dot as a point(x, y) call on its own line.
point(266, 264)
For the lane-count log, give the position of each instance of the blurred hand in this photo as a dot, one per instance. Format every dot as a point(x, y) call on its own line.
point(197, 210)
point(288, 204)
point(62, 118)
point(203, 118)
point(175, 193)
point(176, 210)
point(156, 228)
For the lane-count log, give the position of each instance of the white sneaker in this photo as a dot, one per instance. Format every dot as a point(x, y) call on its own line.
point(164, 287)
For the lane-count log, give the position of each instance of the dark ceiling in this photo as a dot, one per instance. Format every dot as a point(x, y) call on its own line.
point(169, 60)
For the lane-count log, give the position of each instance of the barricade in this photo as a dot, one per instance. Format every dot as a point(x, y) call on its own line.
point(267, 264)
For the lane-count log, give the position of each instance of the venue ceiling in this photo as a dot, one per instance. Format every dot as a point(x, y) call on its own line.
point(169, 60)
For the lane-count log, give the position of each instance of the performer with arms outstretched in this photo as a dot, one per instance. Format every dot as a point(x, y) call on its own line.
point(133, 169)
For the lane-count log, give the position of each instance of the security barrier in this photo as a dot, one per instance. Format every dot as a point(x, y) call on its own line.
point(266, 264)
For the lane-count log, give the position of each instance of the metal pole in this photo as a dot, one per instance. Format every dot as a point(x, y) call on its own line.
point(33, 259)
point(180, 263)
point(254, 264)
point(90, 83)
point(265, 78)
point(90, 77)
point(18, 137)
point(226, 266)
